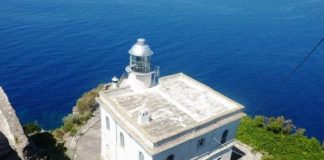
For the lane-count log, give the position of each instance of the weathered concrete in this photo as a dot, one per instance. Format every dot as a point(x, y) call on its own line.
point(85, 144)
point(10, 126)
point(88, 146)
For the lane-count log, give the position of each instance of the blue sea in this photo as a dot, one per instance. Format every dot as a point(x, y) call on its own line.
point(52, 51)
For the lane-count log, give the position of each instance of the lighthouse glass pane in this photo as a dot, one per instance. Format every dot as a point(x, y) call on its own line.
point(140, 64)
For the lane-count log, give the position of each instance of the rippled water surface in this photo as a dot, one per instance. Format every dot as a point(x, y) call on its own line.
point(51, 51)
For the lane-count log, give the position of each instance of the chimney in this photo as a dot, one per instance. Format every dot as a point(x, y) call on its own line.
point(144, 116)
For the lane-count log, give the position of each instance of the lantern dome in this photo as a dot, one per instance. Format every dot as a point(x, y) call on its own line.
point(140, 49)
point(114, 79)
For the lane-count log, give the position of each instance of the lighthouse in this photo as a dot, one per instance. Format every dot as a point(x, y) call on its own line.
point(139, 71)
point(174, 117)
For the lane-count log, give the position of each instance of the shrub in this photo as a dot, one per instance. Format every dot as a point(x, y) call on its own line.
point(84, 109)
point(300, 131)
point(69, 124)
point(274, 125)
point(277, 141)
point(59, 134)
point(87, 102)
point(259, 120)
point(31, 128)
point(49, 147)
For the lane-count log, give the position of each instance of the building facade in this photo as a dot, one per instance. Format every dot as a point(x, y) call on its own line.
point(148, 117)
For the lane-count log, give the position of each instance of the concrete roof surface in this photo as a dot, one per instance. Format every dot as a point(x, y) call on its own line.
point(176, 104)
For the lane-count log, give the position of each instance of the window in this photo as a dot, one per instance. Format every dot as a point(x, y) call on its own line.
point(224, 136)
point(170, 157)
point(140, 156)
point(140, 64)
point(107, 123)
point(121, 138)
point(201, 142)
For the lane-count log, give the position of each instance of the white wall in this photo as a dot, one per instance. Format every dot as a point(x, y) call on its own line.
point(139, 81)
point(189, 149)
point(111, 149)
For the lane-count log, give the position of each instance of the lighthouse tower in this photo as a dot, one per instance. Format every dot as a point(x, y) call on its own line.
point(139, 70)
point(177, 118)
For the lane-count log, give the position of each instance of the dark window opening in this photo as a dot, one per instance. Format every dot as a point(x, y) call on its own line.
point(201, 142)
point(170, 157)
point(140, 156)
point(224, 136)
point(122, 143)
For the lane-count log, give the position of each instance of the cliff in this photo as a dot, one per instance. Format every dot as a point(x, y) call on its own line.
point(13, 141)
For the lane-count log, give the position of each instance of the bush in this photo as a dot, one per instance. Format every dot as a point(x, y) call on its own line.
point(69, 125)
point(277, 139)
point(59, 134)
point(48, 147)
point(274, 125)
point(260, 122)
point(84, 109)
point(87, 102)
point(31, 128)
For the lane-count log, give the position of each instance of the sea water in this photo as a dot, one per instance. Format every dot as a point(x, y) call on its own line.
point(52, 51)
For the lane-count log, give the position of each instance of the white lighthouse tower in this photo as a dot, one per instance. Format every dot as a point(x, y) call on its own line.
point(139, 70)
point(177, 118)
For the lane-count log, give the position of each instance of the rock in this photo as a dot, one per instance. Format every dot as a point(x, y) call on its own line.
point(11, 128)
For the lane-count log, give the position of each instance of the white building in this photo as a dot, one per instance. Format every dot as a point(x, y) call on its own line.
point(144, 117)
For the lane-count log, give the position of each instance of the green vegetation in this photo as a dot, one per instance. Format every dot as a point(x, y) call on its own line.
point(279, 139)
point(47, 145)
point(16, 139)
point(51, 144)
point(31, 128)
point(83, 111)
point(276, 138)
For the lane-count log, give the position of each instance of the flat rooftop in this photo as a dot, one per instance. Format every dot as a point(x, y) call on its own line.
point(177, 104)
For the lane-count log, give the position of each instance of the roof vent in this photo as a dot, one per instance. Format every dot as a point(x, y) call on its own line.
point(144, 116)
point(141, 41)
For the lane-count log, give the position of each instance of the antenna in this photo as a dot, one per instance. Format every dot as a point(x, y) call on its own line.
point(291, 73)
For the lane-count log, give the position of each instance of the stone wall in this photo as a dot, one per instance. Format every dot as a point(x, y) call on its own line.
point(11, 127)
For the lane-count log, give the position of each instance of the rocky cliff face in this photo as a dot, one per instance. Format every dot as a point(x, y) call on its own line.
point(12, 138)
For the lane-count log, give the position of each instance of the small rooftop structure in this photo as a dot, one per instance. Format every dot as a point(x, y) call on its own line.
point(180, 108)
point(140, 49)
point(114, 79)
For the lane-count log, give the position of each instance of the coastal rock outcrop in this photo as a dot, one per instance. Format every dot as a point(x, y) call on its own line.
point(13, 141)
